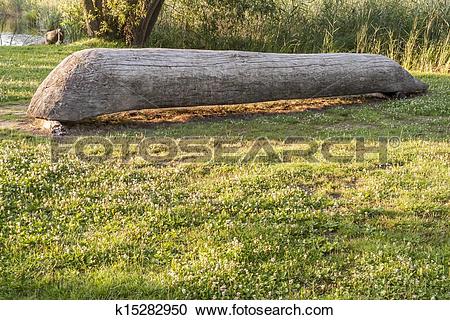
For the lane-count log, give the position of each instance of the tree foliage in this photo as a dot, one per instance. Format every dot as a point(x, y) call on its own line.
point(129, 20)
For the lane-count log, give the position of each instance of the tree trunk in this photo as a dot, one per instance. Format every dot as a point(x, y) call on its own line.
point(142, 32)
point(94, 13)
point(102, 81)
point(135, 30)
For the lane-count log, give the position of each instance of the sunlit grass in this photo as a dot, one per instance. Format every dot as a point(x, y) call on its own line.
point(297, 230)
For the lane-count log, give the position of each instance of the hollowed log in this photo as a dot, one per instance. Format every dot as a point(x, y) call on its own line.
point(94, 82)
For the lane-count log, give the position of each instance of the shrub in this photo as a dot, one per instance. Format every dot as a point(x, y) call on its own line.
point(72, 19)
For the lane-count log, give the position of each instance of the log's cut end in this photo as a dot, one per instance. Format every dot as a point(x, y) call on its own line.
point(50, 100)
point(94, 82)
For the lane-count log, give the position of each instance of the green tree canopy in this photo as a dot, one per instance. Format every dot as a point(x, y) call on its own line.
point(129, 20)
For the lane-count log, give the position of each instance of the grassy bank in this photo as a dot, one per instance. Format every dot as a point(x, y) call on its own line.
point(300, 230)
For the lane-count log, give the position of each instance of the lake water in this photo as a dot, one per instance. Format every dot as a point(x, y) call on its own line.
point(10, 39)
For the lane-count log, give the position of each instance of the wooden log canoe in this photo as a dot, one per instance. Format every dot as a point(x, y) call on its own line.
point(94, 82)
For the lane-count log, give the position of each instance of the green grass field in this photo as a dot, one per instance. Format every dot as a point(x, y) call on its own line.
point(297, 230)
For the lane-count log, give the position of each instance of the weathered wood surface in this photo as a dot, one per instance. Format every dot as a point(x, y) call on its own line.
point(101, 81)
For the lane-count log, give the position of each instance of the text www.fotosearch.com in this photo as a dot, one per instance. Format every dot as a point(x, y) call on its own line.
point(245, 310)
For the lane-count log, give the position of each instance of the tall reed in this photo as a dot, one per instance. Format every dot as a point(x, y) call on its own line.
point(414, 32)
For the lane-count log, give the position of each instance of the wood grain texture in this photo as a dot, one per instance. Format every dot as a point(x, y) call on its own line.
point(102, 81)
